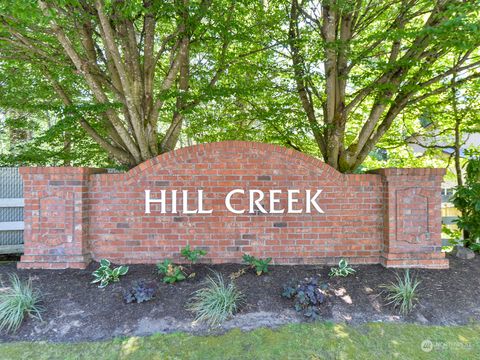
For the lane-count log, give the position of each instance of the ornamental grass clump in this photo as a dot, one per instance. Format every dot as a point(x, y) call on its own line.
point(403, 293)
point(16, 301)
point(216, 302)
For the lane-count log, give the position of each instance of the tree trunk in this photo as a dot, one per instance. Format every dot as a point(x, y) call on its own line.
point(405, 79)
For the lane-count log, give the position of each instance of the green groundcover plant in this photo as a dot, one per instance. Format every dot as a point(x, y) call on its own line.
point(192, 255)
point(260, 265)
point(171, 273)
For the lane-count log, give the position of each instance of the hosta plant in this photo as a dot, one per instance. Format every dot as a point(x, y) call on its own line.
point(308, 295)
point(260, 265)
point(140, 292)
point(18, 299)
point(104, 275)
point(343, 269)
point(171, 273)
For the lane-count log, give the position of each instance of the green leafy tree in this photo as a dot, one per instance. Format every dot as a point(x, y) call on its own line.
point(345, 80)
point(127, 72)
point(358, 65)
point(448, 121)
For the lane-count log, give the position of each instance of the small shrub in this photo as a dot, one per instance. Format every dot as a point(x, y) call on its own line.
point(307, 296)
point(216, 302)
point(105, 275)
point(171, 273)
point(454, 237)
point(192, 255)
point(260, 265)
point(467, 200)
point(140, 292)
point(343, 269)
point(402, 293)
point(16, 301)
point(475, 247)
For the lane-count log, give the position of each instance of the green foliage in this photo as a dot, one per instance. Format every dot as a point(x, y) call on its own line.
point(454, 238)
point(62, 143)
point(105, 275)
point(242, 85)
point(192, 255)
point(475, 246)
point(140, 292)
point(51, 90)
point(16, 301)
point(307, 295)
point(171, 273)
point(445, 112)
point(241, 76)
point(216, 302)
point(376, 51)
point(467, 200)
point(343, 269)
point(454, 235)
point(403, 292)
point(260, 265)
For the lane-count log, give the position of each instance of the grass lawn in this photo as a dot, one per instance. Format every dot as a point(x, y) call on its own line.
point(296, 341)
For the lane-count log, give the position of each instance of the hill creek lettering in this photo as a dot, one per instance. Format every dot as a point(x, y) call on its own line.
point(293, 202)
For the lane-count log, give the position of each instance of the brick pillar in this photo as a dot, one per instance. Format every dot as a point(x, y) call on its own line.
point(56, 217)
point(412, 227)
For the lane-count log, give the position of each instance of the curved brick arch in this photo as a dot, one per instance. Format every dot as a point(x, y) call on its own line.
point(269, 152)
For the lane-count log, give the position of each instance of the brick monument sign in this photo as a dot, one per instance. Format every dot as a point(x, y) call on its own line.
point(232, 198)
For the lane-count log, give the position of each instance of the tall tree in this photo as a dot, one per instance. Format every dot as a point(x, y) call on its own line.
point(143, 65)
point(451, 123)
point(358, 64)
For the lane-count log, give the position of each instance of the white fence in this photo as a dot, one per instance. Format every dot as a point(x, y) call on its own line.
point(11, 211)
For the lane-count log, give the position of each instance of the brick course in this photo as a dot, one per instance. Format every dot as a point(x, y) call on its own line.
point(390, 216)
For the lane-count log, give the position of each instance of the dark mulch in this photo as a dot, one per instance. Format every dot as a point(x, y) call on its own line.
point(77, 310)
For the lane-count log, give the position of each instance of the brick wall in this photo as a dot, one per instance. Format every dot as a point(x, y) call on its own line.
point(390, 217)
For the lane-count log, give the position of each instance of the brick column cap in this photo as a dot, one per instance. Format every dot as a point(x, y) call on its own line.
point(390, 172)
point(60, 170)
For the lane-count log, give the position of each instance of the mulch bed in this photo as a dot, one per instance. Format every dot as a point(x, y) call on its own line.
point(76, 310)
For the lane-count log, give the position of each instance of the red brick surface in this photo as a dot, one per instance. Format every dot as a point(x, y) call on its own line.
point(391, 216)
